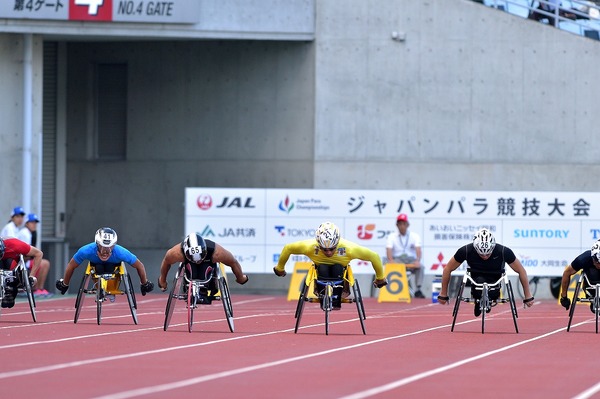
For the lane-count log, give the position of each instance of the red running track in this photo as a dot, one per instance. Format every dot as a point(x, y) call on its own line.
point(408, 351)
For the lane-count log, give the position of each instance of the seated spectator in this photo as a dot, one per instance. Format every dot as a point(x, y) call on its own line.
point(11, 229)
point(28, 234)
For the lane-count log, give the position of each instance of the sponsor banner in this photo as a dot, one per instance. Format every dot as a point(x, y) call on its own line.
point(545, 230)
point(172, 11)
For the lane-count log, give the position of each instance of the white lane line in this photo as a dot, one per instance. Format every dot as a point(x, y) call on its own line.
point(588, 393)
point(229, 373)
point(50, 341)
point(404, 381)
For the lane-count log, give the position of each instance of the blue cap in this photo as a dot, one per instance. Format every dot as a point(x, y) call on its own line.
point(17, 211)
point(32, 217)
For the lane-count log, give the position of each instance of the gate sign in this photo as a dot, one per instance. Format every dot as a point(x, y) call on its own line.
point(546, 230)
point(171, 11)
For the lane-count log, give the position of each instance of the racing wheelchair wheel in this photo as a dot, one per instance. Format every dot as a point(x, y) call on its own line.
point(81, 293)
point(300, 307)
point(130, 296)
point(359, 305)
point(173, 297)
point(226, 299)
point(23, 276)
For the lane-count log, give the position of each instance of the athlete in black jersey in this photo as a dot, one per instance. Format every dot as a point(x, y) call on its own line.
point(201, 254)
point(485, 260)
point(589, 262)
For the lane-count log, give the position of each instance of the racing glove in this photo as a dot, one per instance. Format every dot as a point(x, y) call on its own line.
point(147, 287)
point(61, 286)
point(565, 302)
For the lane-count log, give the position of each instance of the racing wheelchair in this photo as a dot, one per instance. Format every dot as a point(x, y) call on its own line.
point(24, 282)
point(329, 292)
point(499, 287)
point(105, 282)
point(592, 296)
point(199, 287)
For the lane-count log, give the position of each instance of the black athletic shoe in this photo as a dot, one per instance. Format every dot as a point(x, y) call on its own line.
point(477, 309)
point(419, 294)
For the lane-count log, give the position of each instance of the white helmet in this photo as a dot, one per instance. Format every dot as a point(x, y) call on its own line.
point(106, 237)
point(194, 248)
point(328, 235)
point(484, 242)
point(596, 251)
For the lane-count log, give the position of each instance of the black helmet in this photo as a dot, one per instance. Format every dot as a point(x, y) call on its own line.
point(194, 248)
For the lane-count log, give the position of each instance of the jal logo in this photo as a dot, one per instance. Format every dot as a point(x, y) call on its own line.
point(204, 202)
point(90, 10)
point(365, 232)
point(236, 202)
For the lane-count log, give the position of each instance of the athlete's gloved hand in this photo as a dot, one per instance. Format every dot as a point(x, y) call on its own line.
point(380, 283)
point(244, 281)
point(61, 286)
point(565, 302)
point(147, 287)
point(280, 273)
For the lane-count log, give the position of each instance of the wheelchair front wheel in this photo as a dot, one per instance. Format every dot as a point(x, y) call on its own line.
point(99, 298)
point(191, 304)
point(484, 304)
point(327, 305)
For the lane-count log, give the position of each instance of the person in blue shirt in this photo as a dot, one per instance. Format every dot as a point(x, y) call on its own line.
point(105, 252)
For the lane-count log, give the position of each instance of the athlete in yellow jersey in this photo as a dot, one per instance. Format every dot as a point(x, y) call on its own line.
point(330, 253)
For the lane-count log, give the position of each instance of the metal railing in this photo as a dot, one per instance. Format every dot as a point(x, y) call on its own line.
point(581, 17)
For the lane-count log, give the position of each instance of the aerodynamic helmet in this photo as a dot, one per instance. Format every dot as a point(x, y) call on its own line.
point(328, 235)
point(106, 237)
point(596, 251)
point(484, 242)
point(2, 247)
point(194, 248)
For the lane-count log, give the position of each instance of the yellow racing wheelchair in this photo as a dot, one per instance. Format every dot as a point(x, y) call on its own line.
point(105, 282)
point(330, 292)
point(199, 288)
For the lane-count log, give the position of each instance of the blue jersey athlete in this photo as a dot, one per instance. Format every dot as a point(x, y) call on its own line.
point(104, 252)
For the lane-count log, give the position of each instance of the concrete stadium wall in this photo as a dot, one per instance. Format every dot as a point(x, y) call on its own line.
point(12, 145)
point(474, 99)
point(205, 113)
